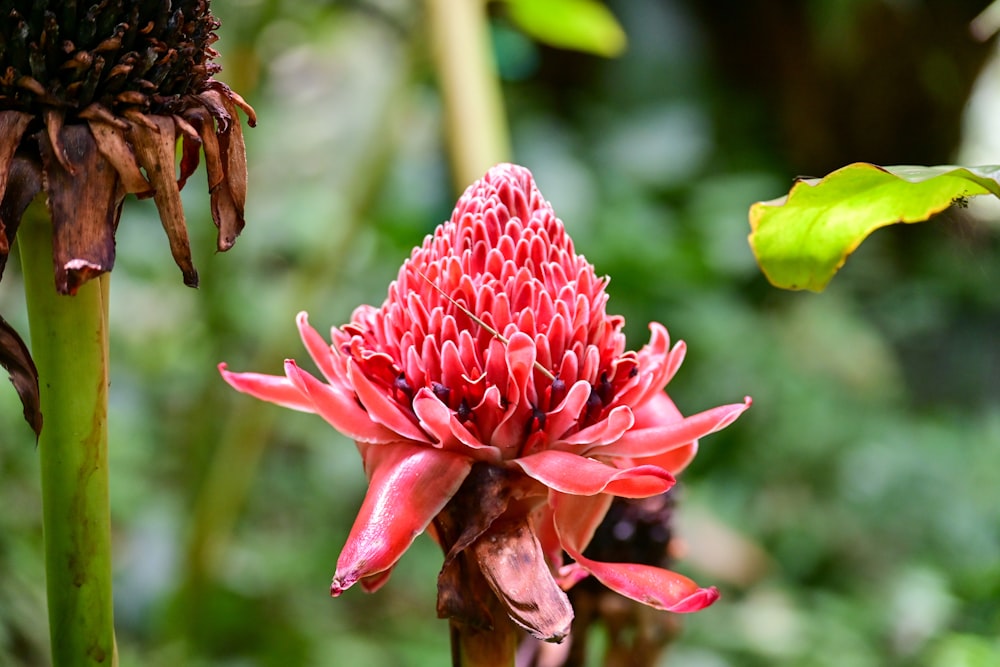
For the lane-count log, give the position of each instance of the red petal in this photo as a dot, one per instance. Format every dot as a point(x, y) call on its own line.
point(440, 422)
point(608, 430)
point(409, 485)
point(270, 388)
point(666, 436)
point(578, 475)
point(653, 586)
point(575, 522)
point(383, 409)
point(338, 407)
point(318, 348)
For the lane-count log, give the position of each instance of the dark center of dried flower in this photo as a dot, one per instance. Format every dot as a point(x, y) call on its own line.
point(120, 54)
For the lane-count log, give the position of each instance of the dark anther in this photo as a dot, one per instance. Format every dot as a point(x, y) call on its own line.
point(442, 392)
point(401, 385)
point(556, 392)
point(604, 389)
point(632, 372)
point(537, 421)
point(464, 412)
point(593, 407)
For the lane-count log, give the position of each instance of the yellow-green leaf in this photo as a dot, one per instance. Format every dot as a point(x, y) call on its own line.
point(802, 239)
point(580, 25)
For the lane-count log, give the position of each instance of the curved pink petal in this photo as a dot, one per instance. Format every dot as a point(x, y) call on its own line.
point(578, 475)
point(440, 422)
point(653, 586)
point(318, 349)
point(408, 486)
point(576, 519)
point(271, 388)
point(608, 430)
point(664, 437)
point(383, 409)
point(567, 413)
point(337, 407)
point(373, 582)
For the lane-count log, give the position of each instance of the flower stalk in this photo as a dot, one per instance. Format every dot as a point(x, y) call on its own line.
point(69, 339)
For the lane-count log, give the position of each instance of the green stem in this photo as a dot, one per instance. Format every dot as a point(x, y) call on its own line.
point(69, 341)
point(476, 123)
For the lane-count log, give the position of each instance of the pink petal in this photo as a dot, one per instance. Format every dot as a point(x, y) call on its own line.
point(567, 413)
point(383, 409)
point(575, 518)
point(270, 388)
point(338, 407)
point(664, 437)
point(318, 348)
point(440, 422)
point(578, 475)
point(409, 485)
point(653, 586)
point(609, 429)
point(575, 521)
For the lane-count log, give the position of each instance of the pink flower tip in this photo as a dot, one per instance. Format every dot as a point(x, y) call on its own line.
point(697, 601)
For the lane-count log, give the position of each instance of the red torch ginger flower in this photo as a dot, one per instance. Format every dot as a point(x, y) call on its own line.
point(494, 403)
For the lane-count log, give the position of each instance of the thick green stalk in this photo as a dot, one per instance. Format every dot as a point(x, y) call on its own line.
point(69, 342)
point(476, 123)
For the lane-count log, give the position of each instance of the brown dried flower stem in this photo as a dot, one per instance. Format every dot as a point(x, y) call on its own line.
point(69, 340)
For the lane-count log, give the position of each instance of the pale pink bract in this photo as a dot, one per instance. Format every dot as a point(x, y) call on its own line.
point(493, 348)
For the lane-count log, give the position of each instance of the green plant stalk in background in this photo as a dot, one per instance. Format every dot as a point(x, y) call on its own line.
point(69, 341)
point(475, 120)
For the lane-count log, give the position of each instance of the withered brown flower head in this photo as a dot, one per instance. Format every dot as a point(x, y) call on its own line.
point(93, 98)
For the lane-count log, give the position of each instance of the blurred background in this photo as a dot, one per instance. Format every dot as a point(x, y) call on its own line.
point(852, 517)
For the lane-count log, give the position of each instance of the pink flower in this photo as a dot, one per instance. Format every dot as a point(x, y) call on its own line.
point(493, 402)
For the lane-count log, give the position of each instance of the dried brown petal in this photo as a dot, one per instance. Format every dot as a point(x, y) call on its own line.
point(16, 360)
point(53, 125)
point(513, 563)
point(155, 141)
point(230, 192)
point(12, 127)
point(115, 148)
point(23, 182)
point(84, 210)
point(190, 148)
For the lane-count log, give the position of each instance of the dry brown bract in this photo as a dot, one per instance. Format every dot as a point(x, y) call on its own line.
point(93, 100)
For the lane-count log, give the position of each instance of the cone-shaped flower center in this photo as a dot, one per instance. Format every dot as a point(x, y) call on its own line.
point(500, 279)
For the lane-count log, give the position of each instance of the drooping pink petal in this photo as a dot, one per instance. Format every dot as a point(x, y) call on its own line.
point(653, 586)
point(408, 485)
point(338, 407)
point(578, 475)
point(576, 519)
point(271, 388)
point(661, 437)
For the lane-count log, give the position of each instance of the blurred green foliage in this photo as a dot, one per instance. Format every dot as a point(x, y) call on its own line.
point(851, 517)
